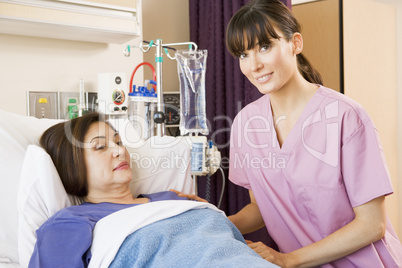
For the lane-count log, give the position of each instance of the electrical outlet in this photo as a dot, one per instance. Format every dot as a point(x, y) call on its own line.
point(42, 104)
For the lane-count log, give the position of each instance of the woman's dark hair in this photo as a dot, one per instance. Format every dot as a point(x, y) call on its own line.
point(255, 22)
point(64, 142)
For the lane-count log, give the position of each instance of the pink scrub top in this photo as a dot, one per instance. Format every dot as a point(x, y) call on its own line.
point(331, 162)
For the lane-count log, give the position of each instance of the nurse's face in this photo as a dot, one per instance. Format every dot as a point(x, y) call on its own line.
point(270, 67)
point(106, 159)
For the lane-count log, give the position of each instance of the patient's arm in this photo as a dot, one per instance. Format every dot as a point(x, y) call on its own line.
point(248, 219)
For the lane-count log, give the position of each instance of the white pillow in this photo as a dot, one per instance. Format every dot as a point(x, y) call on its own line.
point(41, 194)
point(16, 133)
point(160, 164)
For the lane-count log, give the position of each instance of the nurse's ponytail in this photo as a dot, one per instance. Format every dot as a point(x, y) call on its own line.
point(307, 70)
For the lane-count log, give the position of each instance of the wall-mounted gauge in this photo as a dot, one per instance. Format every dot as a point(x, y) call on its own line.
point(172, 108)
point(118, 96)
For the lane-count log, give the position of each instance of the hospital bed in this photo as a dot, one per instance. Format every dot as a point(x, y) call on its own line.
point(31, 191)
point(30, 186)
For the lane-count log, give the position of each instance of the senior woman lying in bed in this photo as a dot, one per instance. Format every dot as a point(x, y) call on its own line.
point(93, 164)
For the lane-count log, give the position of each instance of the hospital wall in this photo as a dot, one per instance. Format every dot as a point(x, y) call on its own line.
point(45, 64)
point(42, 64)
point(158, 24)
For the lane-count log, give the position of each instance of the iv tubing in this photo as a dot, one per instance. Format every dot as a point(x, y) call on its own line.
point(223, 187)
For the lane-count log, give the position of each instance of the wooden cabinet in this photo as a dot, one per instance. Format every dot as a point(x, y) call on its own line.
point(320, 28)
point(356, 45)
point(103, 21)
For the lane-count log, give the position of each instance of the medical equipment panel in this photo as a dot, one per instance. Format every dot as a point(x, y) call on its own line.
point(42, 104)
point(205, 157)
point(91, 101)
point(171, 101)
point(71, 103)
point(112, 93)
point(68, 105)
point(198, 155)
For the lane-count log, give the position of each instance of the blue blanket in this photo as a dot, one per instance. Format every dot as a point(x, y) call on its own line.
point(196, 238)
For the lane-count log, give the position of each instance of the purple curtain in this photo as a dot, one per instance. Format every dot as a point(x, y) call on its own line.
point(227, 92)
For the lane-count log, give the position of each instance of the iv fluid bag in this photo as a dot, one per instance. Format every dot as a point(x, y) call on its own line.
point(191, 67)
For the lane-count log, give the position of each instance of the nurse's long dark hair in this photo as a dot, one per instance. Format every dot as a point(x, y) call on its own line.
point(255, 22)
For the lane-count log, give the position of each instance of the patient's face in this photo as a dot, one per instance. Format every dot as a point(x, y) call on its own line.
point(106, 159)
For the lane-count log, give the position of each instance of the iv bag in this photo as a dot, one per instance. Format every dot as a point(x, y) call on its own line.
point(191, 67)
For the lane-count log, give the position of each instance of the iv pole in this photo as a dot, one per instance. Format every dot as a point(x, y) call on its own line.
point(159, 117)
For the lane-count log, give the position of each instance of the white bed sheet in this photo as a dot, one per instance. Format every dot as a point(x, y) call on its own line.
point(6, 262)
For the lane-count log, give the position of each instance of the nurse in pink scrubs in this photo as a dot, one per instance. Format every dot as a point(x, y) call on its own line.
point(310, 156)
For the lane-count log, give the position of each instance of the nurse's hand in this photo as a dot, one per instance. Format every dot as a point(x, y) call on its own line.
point(270, 254)
point(189, 196)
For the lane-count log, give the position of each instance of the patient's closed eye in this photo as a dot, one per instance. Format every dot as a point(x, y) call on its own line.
point(117, 139)
point(100, 146)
